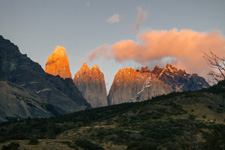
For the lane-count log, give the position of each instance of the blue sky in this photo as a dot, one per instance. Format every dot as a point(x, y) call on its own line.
point(81, 26)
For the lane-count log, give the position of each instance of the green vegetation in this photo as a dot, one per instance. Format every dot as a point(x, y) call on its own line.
point(11, 146)
point(214, 141)
point(87, 145)
point(175, 121)
point(33, 141)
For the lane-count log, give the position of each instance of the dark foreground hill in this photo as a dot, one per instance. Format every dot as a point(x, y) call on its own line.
point(27, 91)
point(187, 120)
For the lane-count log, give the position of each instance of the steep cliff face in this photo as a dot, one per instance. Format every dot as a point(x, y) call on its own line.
point(91, 83)
point(125, 86)
point(131, 85)
point(58, 63)
point(179, 79)
point(61, 96)
point(17, 102)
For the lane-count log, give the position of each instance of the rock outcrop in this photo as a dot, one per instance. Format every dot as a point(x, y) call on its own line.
point(59, 95)
point(179, 79)
point(17, 102)
point(58, 63)
point(91, 83)
point(131, 85)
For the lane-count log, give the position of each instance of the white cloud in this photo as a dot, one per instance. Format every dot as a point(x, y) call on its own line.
point(114, 18)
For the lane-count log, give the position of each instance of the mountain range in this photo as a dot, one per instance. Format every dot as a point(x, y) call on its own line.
point(129, 85)
point(29, 91)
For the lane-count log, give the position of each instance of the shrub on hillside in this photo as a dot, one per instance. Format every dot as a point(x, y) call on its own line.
point(214, 141)
point(11, 146)
point(142, 146)
point(88, 145)
point(191, 117)
point(33, 141)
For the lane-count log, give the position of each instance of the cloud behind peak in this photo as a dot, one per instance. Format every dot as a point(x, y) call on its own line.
point(186, 46)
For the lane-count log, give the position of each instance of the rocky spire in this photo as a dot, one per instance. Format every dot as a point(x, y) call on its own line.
point(130, 85)
point(35, 87)
point(157, 70)
point(91, 83)
point(58, 63)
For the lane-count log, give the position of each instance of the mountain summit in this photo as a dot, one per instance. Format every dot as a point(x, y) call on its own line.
point(131, 85)
point(27, 91)
point(58, 63)
point(91, 83)
point(179, 79)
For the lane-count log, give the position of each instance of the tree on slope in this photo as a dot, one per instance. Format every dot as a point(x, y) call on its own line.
point(217, 64)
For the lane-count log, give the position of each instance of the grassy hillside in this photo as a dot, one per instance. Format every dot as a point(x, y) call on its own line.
point(187, 120)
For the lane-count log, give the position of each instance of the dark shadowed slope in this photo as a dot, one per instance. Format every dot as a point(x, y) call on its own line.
point(61, 96)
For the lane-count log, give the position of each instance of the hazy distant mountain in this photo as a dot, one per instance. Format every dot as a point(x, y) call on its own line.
point(131, 85)
point(62, 95)
point(58, 63)
point(91, 83)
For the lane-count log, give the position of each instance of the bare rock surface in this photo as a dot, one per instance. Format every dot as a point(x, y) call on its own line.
point(131, 85)
point(58, 63)
point(91, 83)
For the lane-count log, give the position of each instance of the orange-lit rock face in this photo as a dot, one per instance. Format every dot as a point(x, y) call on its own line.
point(58, 63)
point(91, 84)
point(131, 85)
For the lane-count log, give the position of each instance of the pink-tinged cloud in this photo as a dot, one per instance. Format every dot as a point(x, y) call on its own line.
point(141, 17)
point(186, 46)
point(114, 18)
point(103, 50)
